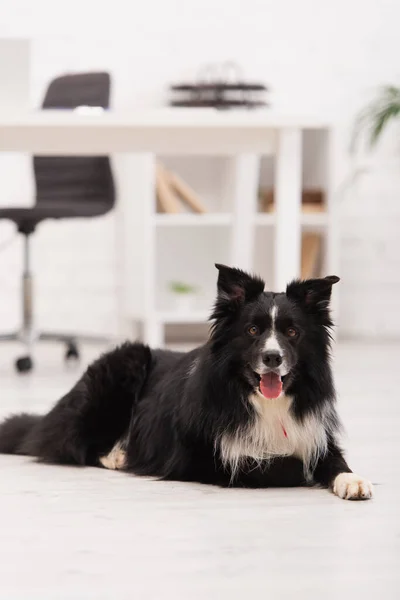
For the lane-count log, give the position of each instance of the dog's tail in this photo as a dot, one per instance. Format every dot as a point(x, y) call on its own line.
point(14, 431)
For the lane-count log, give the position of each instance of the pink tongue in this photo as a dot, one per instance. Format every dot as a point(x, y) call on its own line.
point(271, 385)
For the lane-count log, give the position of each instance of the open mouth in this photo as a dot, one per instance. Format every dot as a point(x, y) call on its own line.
point(270, 384)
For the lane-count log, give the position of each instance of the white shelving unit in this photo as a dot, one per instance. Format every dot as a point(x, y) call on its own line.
point(153, 249)
point(185, 246)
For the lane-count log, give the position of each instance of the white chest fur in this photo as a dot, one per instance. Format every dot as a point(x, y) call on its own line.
point(274, 432)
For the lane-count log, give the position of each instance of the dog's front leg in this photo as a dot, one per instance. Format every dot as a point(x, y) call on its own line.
point(332, 471)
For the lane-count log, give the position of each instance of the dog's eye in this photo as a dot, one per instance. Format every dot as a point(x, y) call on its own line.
point(291, 332)
point(253, 330)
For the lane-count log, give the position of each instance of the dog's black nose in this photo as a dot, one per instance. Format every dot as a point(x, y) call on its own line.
point(272, 359)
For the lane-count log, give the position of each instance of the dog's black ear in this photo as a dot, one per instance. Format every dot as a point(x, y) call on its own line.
point(236, 286)
point(312, 294)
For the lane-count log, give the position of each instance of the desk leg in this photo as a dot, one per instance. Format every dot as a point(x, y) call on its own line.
point(244, 182)
point(335, 171)
point(153, 333)
point(136, 266)
point(288, 183)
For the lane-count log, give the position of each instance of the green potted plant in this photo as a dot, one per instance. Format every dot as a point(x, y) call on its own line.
point(375, 179)
point(184, 295)
point(376, 116)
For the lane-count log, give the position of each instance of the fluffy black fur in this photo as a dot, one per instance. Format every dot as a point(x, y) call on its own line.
point(170, 409)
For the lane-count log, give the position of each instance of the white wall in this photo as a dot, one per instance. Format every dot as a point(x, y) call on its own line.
point(322, 56)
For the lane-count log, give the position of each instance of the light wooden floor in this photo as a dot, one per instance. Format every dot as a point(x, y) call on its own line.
point(93, 534)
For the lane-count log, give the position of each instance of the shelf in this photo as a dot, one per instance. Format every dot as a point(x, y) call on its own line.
point(265, 219)
point(175, 316)
point(196, 220)
point(312, 220)
point(225, 219)
point(315, 219)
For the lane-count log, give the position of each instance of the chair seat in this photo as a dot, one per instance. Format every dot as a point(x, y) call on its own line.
point(26, 219)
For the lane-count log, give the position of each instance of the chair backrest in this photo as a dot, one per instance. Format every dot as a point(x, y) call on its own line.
point(83, 182)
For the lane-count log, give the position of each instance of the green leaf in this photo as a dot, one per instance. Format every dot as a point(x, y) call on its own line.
point(373, 120)
point(179, 287)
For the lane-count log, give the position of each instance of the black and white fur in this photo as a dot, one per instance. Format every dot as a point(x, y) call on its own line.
point(201, 416)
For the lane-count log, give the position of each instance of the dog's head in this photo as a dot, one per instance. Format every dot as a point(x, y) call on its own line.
point(265, 334)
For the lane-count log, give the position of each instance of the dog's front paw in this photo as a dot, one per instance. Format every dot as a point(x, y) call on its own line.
point(115, 460)
point(350, 486)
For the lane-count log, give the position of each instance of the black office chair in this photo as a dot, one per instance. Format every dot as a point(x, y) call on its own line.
point(66, 187)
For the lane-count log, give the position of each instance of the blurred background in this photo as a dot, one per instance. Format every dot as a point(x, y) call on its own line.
point(324, 60)
point(261, 134)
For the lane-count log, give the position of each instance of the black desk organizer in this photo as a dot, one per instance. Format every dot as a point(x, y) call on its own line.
point(221, 88)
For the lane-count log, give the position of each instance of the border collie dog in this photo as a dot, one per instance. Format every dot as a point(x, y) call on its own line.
point(253, 407)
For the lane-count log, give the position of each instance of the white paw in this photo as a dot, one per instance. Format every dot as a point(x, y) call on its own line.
point(350, 486)
point(115, 459)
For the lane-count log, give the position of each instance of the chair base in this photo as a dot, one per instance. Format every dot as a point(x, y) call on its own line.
point(28, 335)
point(29, 339)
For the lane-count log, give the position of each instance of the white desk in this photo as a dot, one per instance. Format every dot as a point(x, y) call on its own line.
point(163, 131)
point(244, 135)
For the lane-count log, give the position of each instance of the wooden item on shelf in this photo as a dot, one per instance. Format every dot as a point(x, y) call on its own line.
point(186, 193)
point(171, 189)
point(312, 200)
point(310, 253)
point(265, 200)
point(309, 207)
point(167, 201)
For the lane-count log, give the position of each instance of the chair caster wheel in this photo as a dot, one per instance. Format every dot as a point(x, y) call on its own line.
point(24, 364)
point(72, 352)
